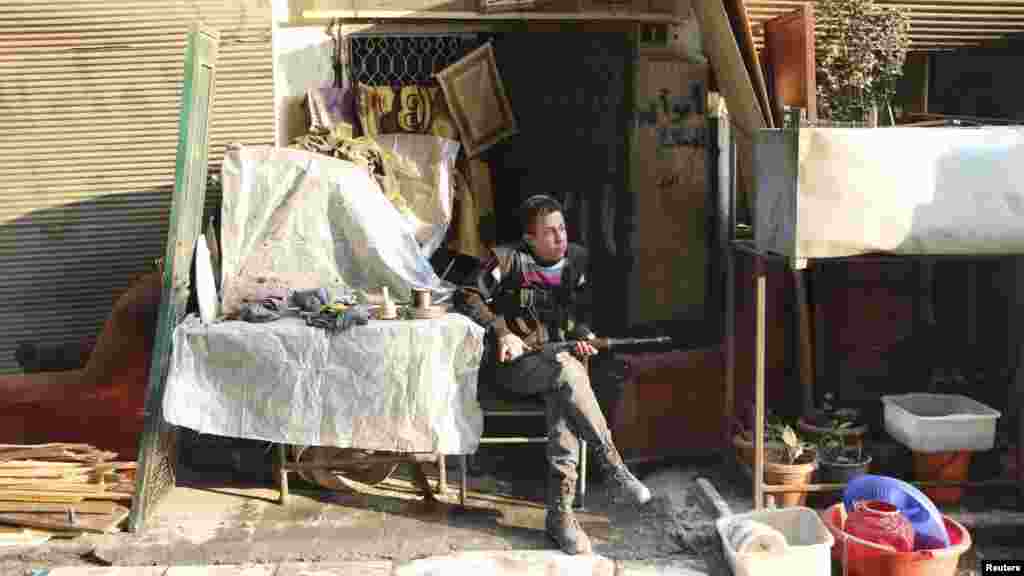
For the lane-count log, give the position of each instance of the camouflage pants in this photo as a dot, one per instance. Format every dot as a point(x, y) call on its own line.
point(573, 413)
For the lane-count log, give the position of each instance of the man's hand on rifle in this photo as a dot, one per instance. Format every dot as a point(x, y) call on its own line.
point(584, 348)
point(510, 347)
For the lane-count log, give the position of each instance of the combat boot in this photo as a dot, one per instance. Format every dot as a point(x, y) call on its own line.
point(560, 523)
point(623, 481)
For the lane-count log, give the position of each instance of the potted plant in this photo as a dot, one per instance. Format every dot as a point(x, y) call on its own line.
point(860, 49)
point(844, 424)
point(743, 438)
point(839, 461)
point(792, 466)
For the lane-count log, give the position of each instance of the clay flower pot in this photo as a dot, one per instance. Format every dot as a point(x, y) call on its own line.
point(799, 473)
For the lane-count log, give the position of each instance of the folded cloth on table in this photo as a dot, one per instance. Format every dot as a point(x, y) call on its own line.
point(310, 300)
point(258, 312)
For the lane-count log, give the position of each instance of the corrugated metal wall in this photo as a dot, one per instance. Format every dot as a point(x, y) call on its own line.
point(89, 95)
point(934, 24)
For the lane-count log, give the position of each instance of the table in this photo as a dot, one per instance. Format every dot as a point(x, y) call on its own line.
point(398, 386)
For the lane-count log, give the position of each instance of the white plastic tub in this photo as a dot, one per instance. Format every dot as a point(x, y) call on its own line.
point(931, 423)
point(809, 544)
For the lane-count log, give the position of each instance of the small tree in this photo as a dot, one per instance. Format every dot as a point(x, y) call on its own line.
point(860, 51)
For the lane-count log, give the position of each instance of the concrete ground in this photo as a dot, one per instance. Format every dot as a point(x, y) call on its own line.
point(208, 520)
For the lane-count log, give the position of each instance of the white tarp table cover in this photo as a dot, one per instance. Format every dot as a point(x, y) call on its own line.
point(835, 192)
point(405, 386)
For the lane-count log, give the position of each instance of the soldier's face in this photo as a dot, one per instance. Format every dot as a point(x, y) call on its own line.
point(548, 236)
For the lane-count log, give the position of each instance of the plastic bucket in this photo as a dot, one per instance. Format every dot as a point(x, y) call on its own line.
point(942, 466)
point(862, 558)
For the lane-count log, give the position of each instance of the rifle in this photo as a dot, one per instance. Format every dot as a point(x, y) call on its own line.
point(602, 344)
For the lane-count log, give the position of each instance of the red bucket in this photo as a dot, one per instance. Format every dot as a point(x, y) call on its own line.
point(862, 558)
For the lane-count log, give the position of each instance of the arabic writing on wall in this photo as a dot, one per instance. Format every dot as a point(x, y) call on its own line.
point(673, 125)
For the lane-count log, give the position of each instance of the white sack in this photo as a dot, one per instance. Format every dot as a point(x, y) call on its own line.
point(300, 220)
point(430, 194)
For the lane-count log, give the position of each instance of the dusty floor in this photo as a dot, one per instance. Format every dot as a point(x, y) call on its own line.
point(206, 520)
point(211, 519)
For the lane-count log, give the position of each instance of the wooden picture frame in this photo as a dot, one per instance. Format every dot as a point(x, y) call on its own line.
point(477, 101)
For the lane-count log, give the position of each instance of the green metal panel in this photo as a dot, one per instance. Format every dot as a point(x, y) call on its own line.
point(157, 445)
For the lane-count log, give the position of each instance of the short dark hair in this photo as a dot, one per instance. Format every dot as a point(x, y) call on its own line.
point(534, 206)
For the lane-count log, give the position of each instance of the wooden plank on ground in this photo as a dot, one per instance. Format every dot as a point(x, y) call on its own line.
point(89, 507)
point(19, 496)
point(713, 499)
point(64, 522)
point(40, 473)
point(34, 464)
point(51, 496)
point(19, 536)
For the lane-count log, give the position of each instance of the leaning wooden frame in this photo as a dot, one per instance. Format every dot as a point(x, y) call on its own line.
point(158, 444)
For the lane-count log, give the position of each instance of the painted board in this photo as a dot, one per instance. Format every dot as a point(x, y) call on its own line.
point(669, 157)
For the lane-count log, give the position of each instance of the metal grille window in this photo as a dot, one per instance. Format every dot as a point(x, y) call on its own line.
point(404, 59)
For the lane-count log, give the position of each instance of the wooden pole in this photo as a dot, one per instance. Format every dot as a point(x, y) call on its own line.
point(759, 361)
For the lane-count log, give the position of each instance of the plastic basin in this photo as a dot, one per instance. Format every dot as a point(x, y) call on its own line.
point(807, 538)
point(930, 423)
point(862, 558)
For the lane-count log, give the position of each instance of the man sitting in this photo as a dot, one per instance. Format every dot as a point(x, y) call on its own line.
point(528, 294)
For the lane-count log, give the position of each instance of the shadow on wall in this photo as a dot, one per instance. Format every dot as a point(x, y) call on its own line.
point(71, 263)
point(960, 197)
point(97, 297)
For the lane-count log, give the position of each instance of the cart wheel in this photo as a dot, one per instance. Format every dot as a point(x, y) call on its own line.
point(296, 454)
point(347, 476)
